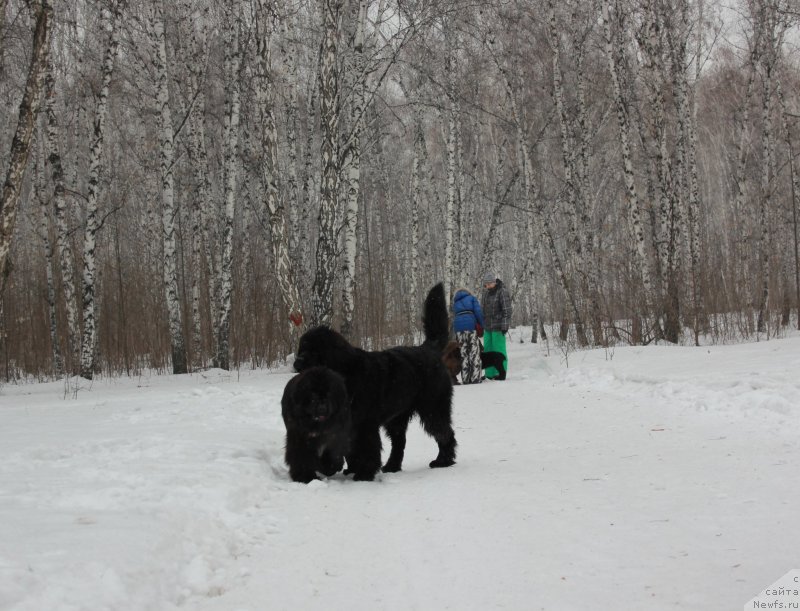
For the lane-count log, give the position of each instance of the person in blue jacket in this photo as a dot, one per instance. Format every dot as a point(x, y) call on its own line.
point(467, 324)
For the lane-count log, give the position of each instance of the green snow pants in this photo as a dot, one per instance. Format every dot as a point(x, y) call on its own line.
point(495, 341)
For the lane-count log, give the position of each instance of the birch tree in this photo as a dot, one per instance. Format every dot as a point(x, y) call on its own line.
point(167, 160)
point(793, 202)
point(231, 140)
point(278, 219)
point(197, 54)
point(329, 117)
point(44, 211)
point(63, 248)
point(289, 55)
point(450, 211)
point(352, 161)
point(612, 52)
point(568, 152)
point(88, 339)
point(767, 19)
point(23, 136)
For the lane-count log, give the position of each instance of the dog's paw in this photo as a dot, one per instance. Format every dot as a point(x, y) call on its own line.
point(363, 477)
point(391, 468)
point(442, 462)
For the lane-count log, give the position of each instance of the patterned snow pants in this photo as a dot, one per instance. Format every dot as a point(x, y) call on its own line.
point(470, 357)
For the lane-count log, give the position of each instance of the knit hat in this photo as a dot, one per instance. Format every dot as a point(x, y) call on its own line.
point(489, 277)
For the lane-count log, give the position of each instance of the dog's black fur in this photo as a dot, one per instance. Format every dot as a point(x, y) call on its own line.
point(388, 387)
point(316, 412)
point(494, 359)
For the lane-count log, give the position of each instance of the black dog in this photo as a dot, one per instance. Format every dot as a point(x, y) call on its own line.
point(494, 359)
point(388, 387)
point(317, 417)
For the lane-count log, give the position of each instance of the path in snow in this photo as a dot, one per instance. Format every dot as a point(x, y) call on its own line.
point(642, 478)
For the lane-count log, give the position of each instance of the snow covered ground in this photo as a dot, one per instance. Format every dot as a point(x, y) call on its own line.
point(638, 478)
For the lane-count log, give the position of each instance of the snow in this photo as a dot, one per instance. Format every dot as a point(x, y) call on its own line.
point(631, 478)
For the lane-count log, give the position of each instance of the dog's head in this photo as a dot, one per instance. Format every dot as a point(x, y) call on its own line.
point(313, 400)
point(322, 346)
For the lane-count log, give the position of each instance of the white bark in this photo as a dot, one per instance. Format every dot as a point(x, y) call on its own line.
point(166, 142)
point(329, 187)
point(63, 248)
point(740, 180)
point(195, 62)
point(289, 54)
point(569, 159)
point(231, 136)
point(451, 210)
point(95, 165)
point(765, 200)
point(278, 221)
point(23, 136)
point(44, 225)
point(634, 210)
point(353, 163)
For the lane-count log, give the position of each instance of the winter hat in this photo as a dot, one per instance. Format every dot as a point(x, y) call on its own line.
point(489, 277)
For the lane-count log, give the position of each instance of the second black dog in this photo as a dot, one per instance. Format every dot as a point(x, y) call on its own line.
point(494, 359)
point(316, 413)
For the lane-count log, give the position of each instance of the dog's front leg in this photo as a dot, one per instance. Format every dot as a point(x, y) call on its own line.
point(300, 457)
point(396, 431)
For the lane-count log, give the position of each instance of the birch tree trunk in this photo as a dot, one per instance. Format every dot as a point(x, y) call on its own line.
point(2, 41)
point(795, 191)
point(166, 142)
point(199, 162)
point(590, 263)
point(329, 187)
point(278, 222)
point(765, 199)
point(66, 260)
point(569, 160)
point(23, 136)
point(491, 245)
point(44, 225)
point(699, 314)
point(289, 53)
point(92, 223)
point(450, 211)
point(353, 163)
point(680, 218)
point(634, 210)
point(309, 193)
point(653, 46)
point(416, 197)
point(232, 65)
point(743, 229)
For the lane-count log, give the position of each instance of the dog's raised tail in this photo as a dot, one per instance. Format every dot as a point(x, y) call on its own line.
point(434, 319)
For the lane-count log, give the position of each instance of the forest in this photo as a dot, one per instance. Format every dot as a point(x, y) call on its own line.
point(193, 183)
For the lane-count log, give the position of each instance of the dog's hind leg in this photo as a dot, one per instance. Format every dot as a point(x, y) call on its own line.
point(396, 431)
